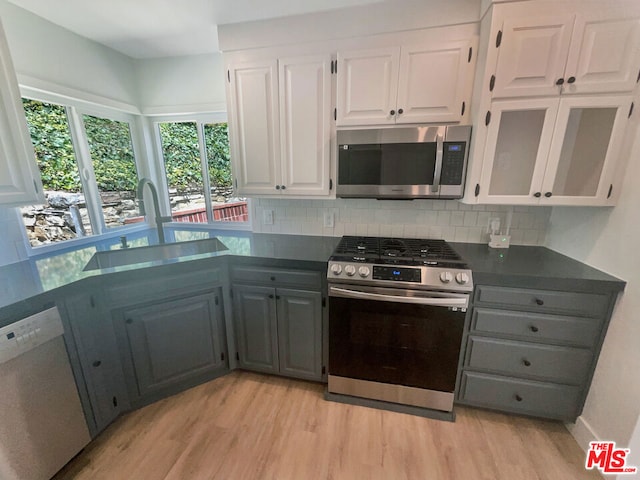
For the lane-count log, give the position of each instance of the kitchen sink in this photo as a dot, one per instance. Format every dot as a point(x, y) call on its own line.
point(166, 251)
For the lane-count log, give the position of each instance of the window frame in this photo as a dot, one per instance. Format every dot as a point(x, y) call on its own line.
point(75, 109)
point(200, 119)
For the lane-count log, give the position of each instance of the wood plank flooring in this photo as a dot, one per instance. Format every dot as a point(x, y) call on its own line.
point(250, 426)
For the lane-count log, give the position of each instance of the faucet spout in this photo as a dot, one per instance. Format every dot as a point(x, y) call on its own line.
point(156, 206)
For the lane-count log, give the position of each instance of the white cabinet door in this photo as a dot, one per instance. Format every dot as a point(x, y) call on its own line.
point(305, 110)
point(433, 82)
point(604, 55)
point(20, 182)
point(584, 151)
point(254, 127)
point(367, 86)
point(516, 152)
point(532, 56)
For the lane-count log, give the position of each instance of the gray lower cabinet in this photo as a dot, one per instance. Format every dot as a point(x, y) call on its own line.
point(173, 344)
point(279, 329)
point(532, 351)
point(100, 364)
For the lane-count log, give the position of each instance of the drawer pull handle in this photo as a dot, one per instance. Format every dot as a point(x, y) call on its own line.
point(518, 398)
point(533, 328)
point(97, 363)
point(539, 301)
point(526, 363)
point(273, 279)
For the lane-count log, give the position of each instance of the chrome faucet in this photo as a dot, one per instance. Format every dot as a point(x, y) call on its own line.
point(156, 206)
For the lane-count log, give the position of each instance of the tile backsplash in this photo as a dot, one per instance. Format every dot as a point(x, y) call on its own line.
point(446, 219)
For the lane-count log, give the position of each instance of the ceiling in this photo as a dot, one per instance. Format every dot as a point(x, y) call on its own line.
point(164, 28)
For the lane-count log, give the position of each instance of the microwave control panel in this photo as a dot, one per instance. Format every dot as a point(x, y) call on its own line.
point(453, 163)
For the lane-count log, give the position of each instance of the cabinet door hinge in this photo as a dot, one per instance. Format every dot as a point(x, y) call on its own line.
point(610, 191)
point(492, 83)
point(335, 114)
point(229, 76)
point(330, 184)
point(470, 54)
point(335, 67)
point(324, 370)
point(487, 118)
point(217, 302)
point(463, 108)
point(324, 301)
point(499, 38)
point(630, 110)
point(222, 356)
point(477, 189)
point(331, 67)
point(114, 400)
point(237, 356)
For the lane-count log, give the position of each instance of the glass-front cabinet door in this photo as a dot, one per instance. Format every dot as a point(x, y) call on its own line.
point(518, 140)
point(584, 151)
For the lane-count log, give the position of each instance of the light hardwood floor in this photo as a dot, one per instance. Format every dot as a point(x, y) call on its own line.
point(250, 426)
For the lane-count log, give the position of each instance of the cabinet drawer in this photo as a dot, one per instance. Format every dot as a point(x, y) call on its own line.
point(520, 396)
point(277, 276)
point(574, 330)
point(545, 362)
point(587, 304)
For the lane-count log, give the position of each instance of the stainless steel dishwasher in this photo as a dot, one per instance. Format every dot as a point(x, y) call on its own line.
point(42, 425)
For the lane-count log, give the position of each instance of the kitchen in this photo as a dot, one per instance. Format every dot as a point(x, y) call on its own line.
point(599, 237)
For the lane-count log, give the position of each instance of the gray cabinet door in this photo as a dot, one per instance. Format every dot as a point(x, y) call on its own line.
point(256, 329)
point(300, 333)
point(98, 353)
point(174, 342)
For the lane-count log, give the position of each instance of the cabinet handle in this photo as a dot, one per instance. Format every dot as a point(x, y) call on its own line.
point(392, 113)
point(548, 194)
point(270, 295)
point(97, 363)
point(526, 363)
point(277, 297)
point(560, 81)
point(571, 79)
point(518, 398)
point(533, 328)
point(283, 187)
point(537, 194)
point(400, 111)
point(539, 301)
point(129, 321)
point(273, 279)
point(277, 187)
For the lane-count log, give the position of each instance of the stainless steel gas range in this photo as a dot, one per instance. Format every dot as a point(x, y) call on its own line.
point(396, 315)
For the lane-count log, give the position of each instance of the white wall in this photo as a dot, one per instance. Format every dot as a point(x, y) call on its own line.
point(449, 220)
point(44, 53)
point(608, 239)
point(181, 84)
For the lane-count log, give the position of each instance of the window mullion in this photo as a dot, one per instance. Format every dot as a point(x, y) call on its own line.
point(85, 166)
point(206, 180)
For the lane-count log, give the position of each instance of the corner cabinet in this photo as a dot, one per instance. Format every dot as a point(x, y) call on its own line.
point(554, 103)
point(278, 320)
point(279, 120)
point(410, 84)
point(20, 182)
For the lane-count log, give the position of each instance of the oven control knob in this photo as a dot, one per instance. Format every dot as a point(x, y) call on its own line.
point(446, 277)
point(462, 278)
point(336, 269)
point(350, 270)
point(364, 271)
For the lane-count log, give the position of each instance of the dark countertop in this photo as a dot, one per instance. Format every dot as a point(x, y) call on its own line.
point(534, 267)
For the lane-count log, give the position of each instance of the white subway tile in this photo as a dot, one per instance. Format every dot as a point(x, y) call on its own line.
point(461, 234)
point(444, 217)
point(470, 219)
point(451, 204)
point(410, 230)
point(482, 220)
point(456, 219)
point(479, 208)
point(435, 231)
point(373, 230)
point(439, 205)
point(464, 207)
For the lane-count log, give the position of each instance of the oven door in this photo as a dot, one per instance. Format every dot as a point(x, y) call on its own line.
point(395, 336)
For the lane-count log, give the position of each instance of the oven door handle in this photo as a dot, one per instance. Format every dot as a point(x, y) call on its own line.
point(438, 302)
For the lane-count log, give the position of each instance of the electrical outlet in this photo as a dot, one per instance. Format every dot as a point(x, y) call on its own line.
point(267, 217)
point(328, 220)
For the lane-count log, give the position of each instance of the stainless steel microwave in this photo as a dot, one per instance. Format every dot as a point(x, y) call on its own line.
point(403, 163)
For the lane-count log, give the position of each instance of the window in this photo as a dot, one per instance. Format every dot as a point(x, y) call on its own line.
point(198, 172)
point(78, 205)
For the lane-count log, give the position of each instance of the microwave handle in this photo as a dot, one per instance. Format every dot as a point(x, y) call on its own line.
point(438, 171)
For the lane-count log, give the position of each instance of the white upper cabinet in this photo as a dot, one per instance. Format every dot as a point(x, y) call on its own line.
point(425, 83)
point(280, 127)
point(563, 53)
point(20, 182)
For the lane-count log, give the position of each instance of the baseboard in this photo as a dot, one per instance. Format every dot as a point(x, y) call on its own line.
point(582, 432)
